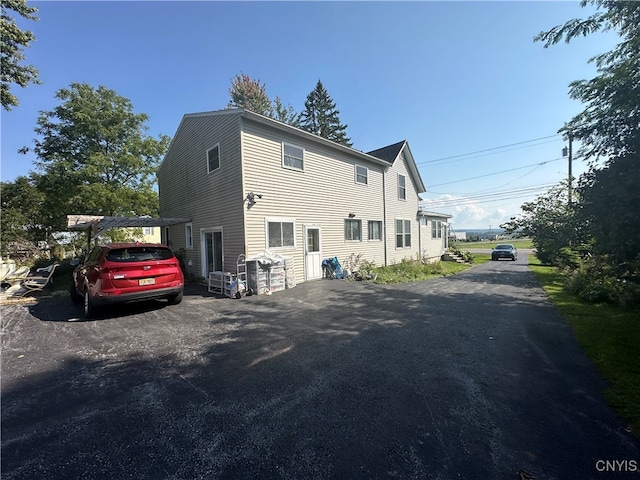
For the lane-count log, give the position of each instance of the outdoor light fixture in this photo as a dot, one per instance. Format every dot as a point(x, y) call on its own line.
point(351, 215)
point(251, 199)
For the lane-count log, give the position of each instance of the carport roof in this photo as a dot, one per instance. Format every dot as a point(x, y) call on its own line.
point(99, 223)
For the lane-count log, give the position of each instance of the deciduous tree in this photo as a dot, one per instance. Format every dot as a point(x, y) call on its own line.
point(609, 125)
point(609, 129)
point(95, 157)
point(249, 94)
point(22, 219)
point(14, 41)
point(550, 222)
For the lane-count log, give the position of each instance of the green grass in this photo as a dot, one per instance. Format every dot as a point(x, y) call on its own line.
point(522, 243)
point(609, 335)
point(412, 271)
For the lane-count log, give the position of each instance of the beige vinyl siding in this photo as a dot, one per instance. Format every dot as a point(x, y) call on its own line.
point(401, 209)
point(323, 194)
point(209, 199)
point(432, 248)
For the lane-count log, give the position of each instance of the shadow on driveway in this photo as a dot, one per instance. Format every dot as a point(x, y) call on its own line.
point(472, 376)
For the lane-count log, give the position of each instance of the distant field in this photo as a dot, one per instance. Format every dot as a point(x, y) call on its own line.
point(519, 243)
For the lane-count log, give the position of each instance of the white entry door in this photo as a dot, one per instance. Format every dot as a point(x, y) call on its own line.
point(312, 253)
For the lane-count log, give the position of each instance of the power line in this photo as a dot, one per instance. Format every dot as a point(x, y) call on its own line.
point(488, 149)
point(496, 173)
point(488, 197)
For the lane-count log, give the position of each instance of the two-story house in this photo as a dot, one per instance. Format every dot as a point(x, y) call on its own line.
point(251, 184)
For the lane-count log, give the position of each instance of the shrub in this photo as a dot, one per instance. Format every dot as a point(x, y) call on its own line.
point(599, 280)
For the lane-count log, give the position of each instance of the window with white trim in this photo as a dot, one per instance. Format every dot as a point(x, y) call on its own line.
point(402, 187)
point(292, 156)
point(213, 158)
point(147, 230)
point(362, 175)
point(436, 229)
point(403, 233)
point(353, 229)
point(375, 230)
point(280, 233)
point(188, 236)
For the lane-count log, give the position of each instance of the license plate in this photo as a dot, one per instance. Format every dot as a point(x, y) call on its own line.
point(146, 281)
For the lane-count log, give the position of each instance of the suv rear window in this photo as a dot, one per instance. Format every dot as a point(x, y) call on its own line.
point(139, 254)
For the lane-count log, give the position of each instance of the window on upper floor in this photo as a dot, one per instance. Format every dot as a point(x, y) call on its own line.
point(353, 229)
point(213, 158)
point(292, 157)
point(402, 187)
point(362, 175)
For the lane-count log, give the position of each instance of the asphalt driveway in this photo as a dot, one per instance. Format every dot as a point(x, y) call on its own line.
point(473, 376)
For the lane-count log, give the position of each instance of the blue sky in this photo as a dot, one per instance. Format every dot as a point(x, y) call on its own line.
point(452, 78)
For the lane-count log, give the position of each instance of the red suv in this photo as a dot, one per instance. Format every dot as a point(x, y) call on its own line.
point(123, 272)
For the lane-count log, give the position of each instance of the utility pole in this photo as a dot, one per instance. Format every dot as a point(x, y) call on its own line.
point(569, 151)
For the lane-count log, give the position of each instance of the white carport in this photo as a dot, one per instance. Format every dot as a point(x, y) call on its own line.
point(94, 225)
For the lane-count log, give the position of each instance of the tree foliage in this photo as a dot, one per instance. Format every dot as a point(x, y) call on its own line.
point(249, 94)
point(550, 222)
point(321, 117)
point(285, 114)
point(22, 214)
point(609, 210)
point(609, 125)
point(252, 95)
point(14, 41)
point(606, 216)
point(95, 157)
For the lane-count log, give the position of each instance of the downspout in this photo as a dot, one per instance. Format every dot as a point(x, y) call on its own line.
point(419, 232)
point(384, 213)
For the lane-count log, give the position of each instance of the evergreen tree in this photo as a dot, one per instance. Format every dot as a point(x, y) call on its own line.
point(321, 117)
point(285, 114)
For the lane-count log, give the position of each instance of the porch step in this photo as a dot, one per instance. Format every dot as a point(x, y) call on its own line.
point(452, 257)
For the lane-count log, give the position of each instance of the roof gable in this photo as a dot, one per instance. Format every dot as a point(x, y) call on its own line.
point(389, 153)
point(392, 152)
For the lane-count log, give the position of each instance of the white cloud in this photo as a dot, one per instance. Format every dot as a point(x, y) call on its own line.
point(467, 214)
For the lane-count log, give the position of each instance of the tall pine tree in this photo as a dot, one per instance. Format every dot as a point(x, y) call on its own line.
point(321, 117)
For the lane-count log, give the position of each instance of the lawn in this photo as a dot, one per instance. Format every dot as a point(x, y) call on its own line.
point(520, 243)
point(609, 335)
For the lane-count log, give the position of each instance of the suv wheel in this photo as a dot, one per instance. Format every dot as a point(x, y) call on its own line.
point(73, 293)
point(89, 309)
point(175, 299)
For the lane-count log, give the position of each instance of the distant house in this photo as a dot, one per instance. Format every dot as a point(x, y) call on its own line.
point(251, 184)
point(457, 236)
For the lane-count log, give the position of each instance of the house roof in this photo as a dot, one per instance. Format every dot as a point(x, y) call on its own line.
point(252, 116)
point(383, 156)
point(427, 213)
point(389, 153)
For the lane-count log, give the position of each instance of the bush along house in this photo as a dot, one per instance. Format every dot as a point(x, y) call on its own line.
point(250, 184)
